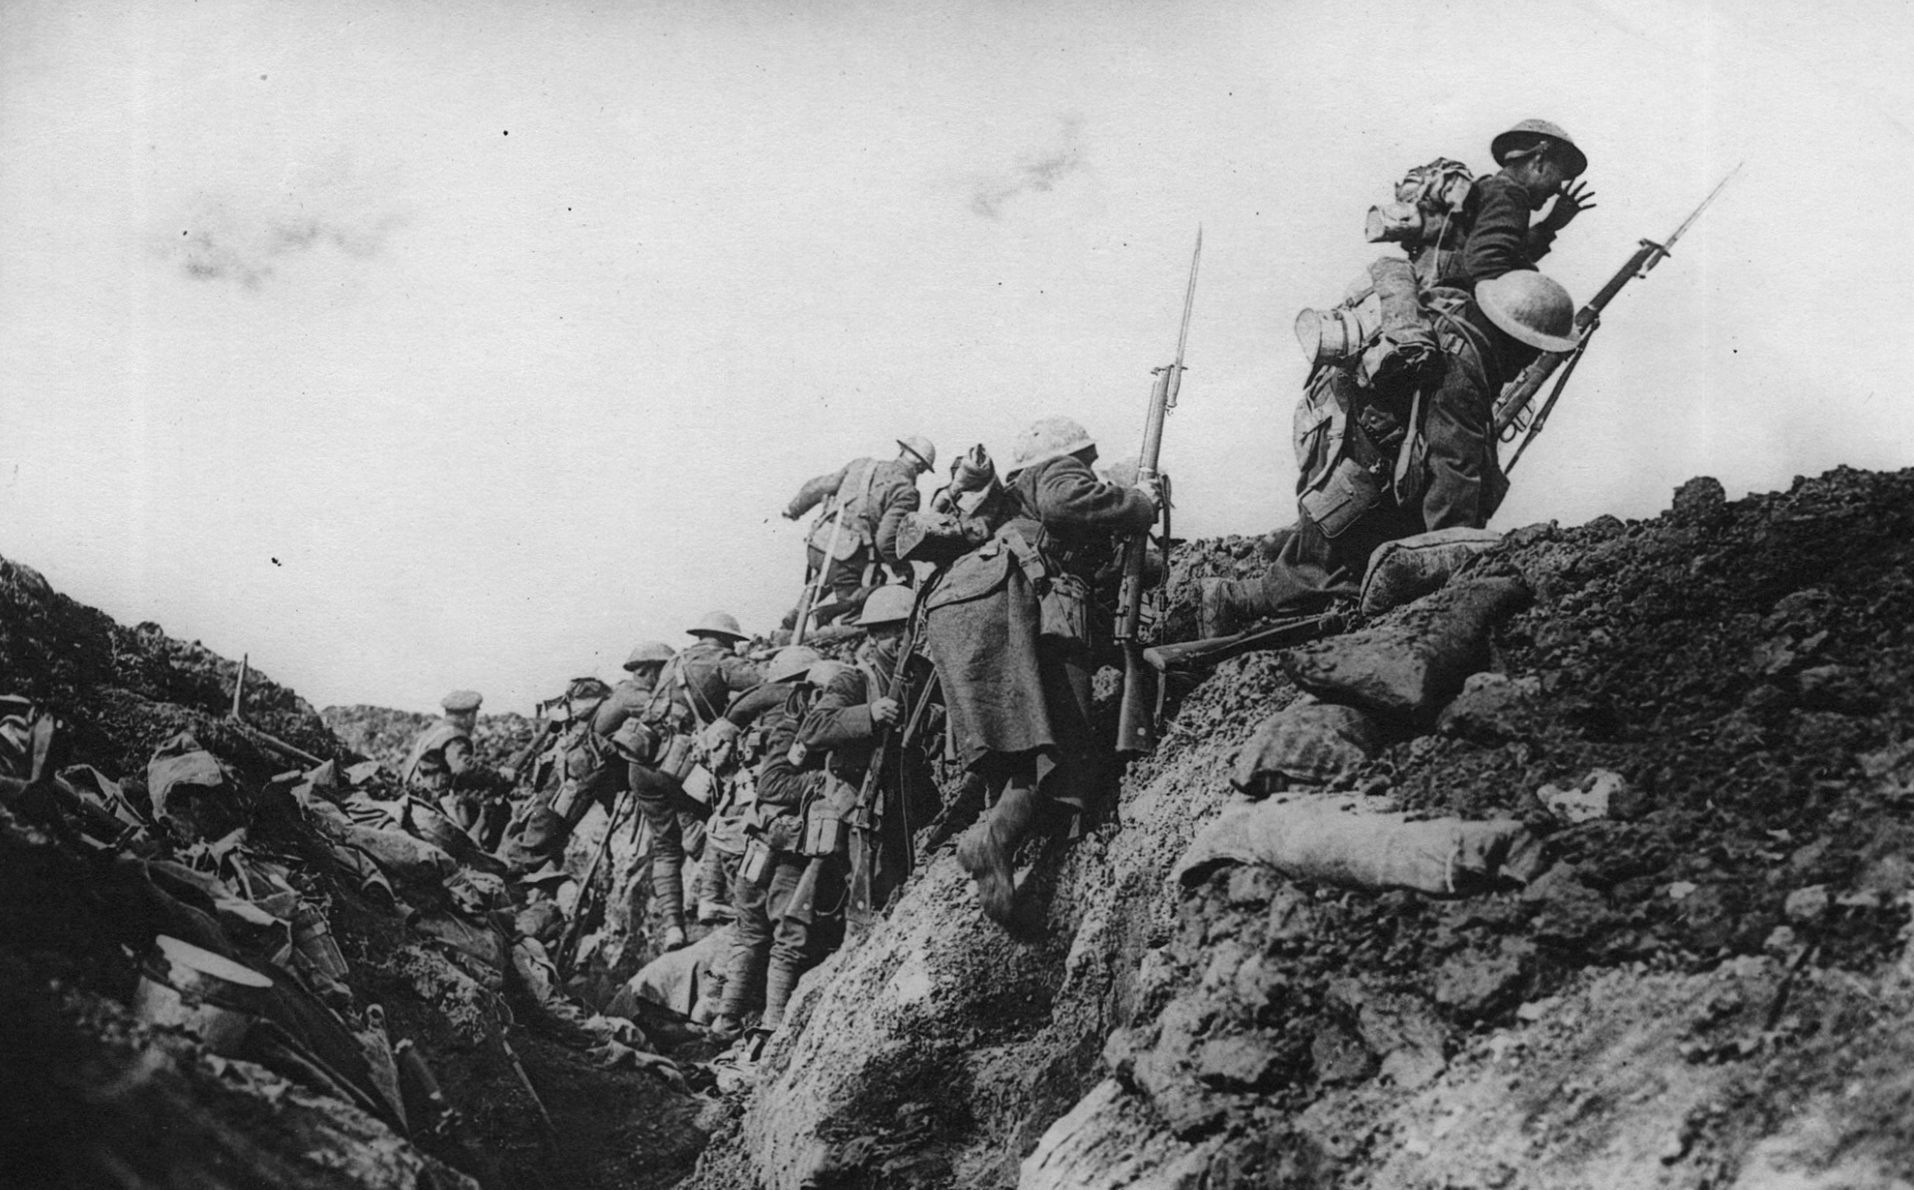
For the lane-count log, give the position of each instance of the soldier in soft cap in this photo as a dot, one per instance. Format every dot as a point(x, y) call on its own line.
point(443, 766)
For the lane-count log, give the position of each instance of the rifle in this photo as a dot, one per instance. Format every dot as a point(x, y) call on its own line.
point(590, 903)
point(1512, 414)
point(1136, 727)
point(813, 591)
point(522, 763)
point(867, 817)
point(1275, 634)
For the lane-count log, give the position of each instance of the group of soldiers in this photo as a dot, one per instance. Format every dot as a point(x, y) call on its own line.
point(803, 784)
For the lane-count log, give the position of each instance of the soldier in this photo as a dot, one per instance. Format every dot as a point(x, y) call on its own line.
point(589, 773)
point(1399, 474)
point(769, 876)
point(1009, 628)
point(692, 692)
point(444, 769)
point(852, 707)
point(866, 502)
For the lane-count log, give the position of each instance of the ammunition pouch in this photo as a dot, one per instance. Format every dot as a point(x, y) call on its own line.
point(1064, 609)
point(754, 866)
point(1349, 491)
point(676, 760)
point(827, 818)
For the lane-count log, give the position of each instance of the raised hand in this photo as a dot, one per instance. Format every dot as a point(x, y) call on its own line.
point(1575, 198)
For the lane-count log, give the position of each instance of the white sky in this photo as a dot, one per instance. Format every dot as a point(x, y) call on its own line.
point(442, 344)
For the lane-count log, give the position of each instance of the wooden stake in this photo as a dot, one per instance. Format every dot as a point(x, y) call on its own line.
point(239, 686)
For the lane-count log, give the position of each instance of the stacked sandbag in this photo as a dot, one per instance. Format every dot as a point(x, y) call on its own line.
point(1308, 742)
point(1343, 844)
point(1401, 572)
point(1408, 669)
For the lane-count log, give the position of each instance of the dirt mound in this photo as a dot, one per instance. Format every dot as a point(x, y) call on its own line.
point(1706, 719)
point(94, 865)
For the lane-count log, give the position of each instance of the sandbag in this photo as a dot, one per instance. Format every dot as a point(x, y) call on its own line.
point(181, 763)
point(1409, 669)
point(1404, 571)
point(1309, 742)
point(1329, 841)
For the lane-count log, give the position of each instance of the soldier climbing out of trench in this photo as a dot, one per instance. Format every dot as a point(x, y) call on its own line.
point(1010, 628)
point(692, 691)
point(854, 539)
point(769, 948)
point(1395, 433)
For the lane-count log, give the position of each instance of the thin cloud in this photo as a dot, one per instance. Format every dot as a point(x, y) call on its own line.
point(246, 238)
point(1035, 174)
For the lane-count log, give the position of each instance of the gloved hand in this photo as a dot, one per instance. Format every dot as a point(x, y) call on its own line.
point(1575, 198)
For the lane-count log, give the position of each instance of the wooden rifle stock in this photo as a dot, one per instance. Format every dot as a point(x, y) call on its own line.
point(1191, 655)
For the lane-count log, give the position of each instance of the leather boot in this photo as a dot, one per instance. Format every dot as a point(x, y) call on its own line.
point(986, 849)
point(1231, 605)
point(778, 984)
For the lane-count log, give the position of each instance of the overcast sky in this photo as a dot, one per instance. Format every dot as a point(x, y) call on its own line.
point(443, 344)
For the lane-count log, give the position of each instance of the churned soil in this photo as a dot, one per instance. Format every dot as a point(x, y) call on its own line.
point(1705, 968)
point(93, 1096)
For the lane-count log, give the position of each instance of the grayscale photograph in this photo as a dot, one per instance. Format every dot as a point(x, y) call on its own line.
point(1161, 595)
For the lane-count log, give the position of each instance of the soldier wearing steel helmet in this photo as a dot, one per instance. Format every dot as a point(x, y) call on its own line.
point(590, 772)
point(855, 539)
point(854, 705)
point(770, 873)
point(1404, 475)
point(692, 689)
point(1539, 161)
point(1011, 628)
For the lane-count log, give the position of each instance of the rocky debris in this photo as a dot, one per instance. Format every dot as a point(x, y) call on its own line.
point(1735, 678)
point(1603, 793)
point(387, 978)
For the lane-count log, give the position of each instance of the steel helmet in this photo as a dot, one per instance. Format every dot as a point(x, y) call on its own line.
point(823, 671)
point(791, 662)
point(649, 652)
point(1525, 136)
point(1048, 438)
point(889, 604)
point(922, 447)
point(1532, 308)
point(718, 624)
